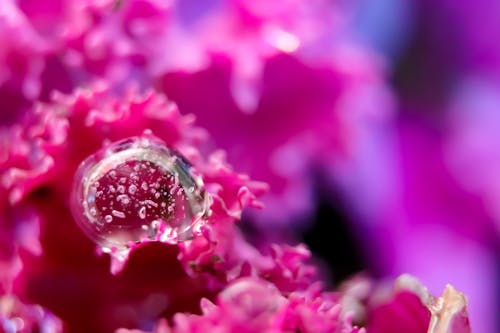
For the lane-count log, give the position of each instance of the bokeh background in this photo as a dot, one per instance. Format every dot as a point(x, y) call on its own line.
point(422, 198)
point(375, 122)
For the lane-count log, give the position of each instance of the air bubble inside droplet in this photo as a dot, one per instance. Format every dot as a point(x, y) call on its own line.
point(132, 188)
point(123, 193)
point(142, 212)
point(118, 214)
point(151, 203)
point(123, 198)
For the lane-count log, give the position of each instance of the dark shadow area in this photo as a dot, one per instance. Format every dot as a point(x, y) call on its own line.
point(331, 239)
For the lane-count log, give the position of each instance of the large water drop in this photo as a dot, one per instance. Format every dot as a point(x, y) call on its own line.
point(141, 184)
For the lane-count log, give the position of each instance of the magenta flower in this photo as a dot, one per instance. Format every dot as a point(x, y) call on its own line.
point(406, 306)
point(156, 276)
point(117, 213)
point(36, 178)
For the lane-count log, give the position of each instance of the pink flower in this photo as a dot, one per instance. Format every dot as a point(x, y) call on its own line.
point(254, 305)
point(154, 278)
point(36, 177)
point(283, 91)
point(62, 271)
point(406, 306)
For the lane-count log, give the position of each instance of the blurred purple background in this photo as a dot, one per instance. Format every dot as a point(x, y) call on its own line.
point(422, 195)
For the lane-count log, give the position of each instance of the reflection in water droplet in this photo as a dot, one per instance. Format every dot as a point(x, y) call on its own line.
point(143, 185)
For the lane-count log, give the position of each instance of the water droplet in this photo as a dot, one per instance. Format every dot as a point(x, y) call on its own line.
point(115, 211)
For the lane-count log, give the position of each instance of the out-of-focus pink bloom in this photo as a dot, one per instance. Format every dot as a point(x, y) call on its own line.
point(406, 306)
point(470, 35)
point(307, 116)
point(254, 305)
point(472, 146)
point(21, 61)
point(285, 86)
point(419, 218)
point(18, 317)
point(61, 45)
point(251, 32)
